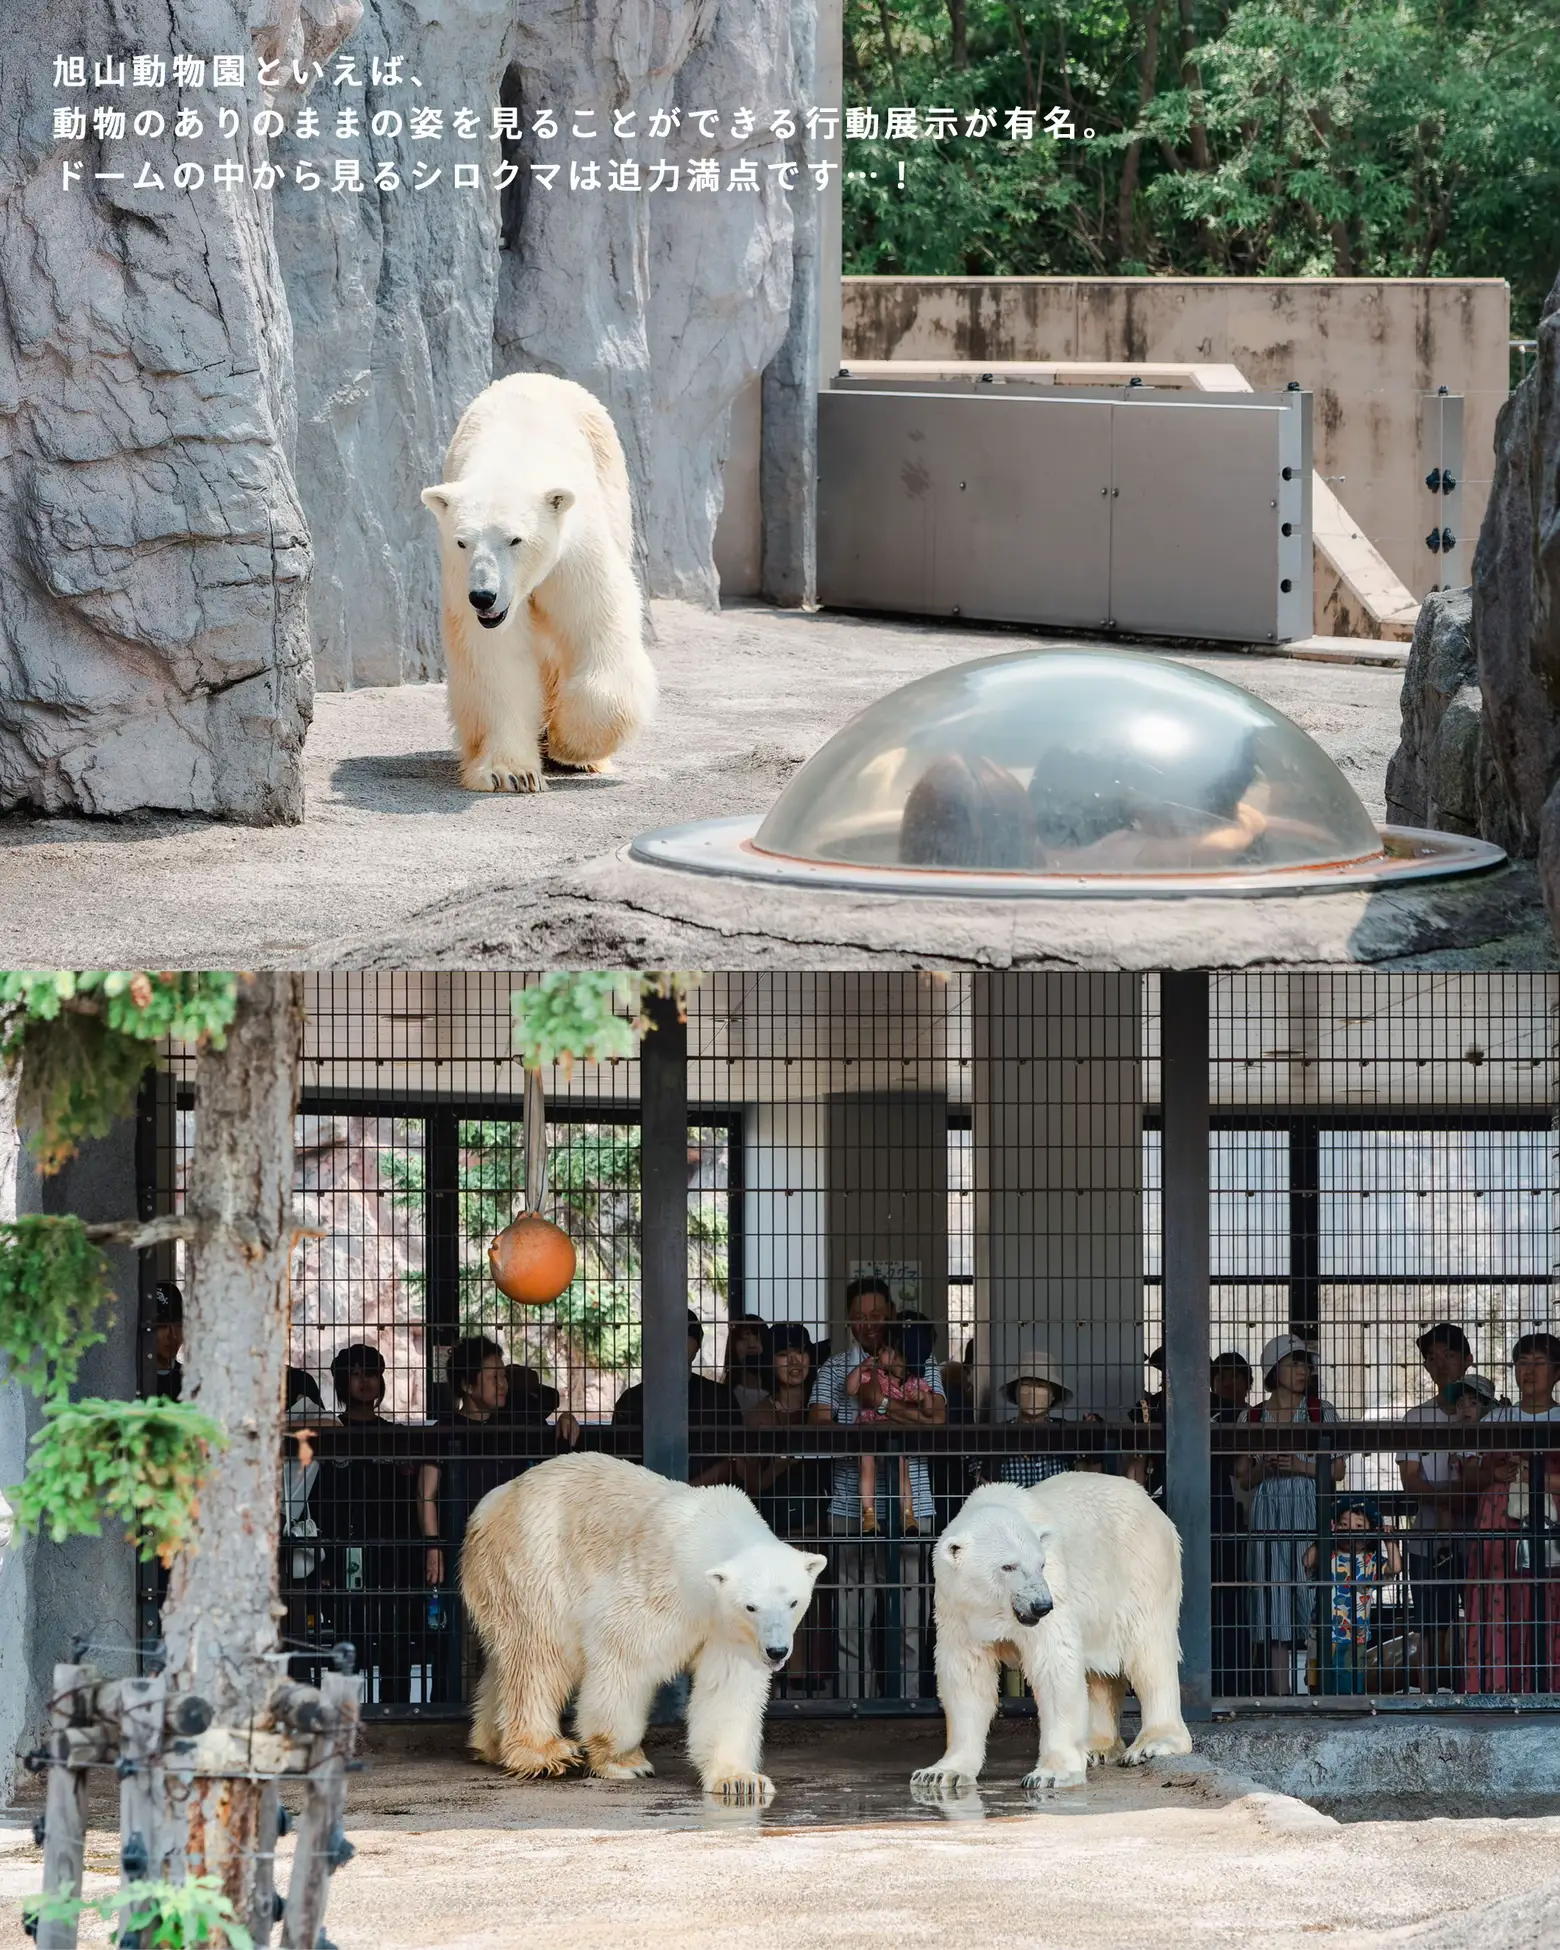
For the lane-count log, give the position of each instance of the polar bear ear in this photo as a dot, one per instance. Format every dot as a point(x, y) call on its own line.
point(812, 1563)
point(952, 1546)
point(719, 1577)
point(436, 498)
point(561, 500)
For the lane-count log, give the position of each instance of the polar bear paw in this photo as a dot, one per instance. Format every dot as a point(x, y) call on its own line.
point(1115, 1751)
point(739, 1787)
point(544, 1758)
point(502, 772)
point(632, 1766)
point(1156, 1746)
point(1053, 1774)
point(943, 1779)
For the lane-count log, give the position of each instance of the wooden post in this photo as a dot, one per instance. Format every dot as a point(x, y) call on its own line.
point(322, 1845)
point(65, 1808)
point(262, 1918)
point(142, 1840)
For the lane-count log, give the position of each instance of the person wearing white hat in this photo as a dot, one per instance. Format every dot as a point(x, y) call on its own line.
point(1283, 1509)
point(1034, 1389)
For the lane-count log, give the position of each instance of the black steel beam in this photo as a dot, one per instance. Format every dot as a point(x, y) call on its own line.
point(1183, 1021)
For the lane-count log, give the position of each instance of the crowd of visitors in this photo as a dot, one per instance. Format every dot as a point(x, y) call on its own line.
point(1452, 1584)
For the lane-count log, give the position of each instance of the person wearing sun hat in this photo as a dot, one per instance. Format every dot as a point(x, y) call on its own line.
point(1283, 1510)
point(1035, 1387)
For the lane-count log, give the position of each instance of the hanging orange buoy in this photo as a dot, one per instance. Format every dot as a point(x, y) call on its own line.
point(532, 1260)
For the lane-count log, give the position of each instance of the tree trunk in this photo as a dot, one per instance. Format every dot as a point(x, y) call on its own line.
point(1126, 194)
point(958, 19)
point(1191, 79)
point(221, 1616)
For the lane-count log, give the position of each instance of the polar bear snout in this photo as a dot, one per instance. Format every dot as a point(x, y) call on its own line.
point(1030, 1607)
point(775, 1657)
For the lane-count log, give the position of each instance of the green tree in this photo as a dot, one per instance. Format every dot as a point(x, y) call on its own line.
point(1260, 138)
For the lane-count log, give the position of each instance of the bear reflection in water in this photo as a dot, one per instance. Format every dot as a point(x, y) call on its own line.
point(1088, 812)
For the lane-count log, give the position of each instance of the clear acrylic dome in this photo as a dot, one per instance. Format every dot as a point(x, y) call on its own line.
point(1099, 763)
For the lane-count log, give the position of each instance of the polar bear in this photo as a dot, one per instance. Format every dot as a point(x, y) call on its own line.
point(542, 618)
point(591, 1572)
point(1078, 1581)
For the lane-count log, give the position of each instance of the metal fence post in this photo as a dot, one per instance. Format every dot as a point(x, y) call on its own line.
point(1183, 1018)
point(663, 1234)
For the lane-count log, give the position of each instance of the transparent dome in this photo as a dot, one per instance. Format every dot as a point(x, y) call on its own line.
point(1099, 763)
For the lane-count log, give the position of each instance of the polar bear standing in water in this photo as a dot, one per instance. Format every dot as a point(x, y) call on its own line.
point(541, 612)
point(1078, 1581)
point(591, 1572)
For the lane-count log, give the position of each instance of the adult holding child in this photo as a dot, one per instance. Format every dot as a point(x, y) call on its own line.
point(863, 1564)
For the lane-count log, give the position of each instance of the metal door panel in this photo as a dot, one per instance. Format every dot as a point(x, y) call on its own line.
point(945, 504)
point(1023, 531)
point(876, 514)
point(1194, 544)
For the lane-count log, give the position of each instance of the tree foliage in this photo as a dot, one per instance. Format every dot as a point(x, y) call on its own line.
point(157, 1915)
point(593, 1017)
point(85, 1038)
point(1303, 138)
point(140, 1462)
point(52, 1298)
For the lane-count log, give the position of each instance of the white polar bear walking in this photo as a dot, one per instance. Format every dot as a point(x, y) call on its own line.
point(541, 611)
point(591, 1572)
point(1079, 1582)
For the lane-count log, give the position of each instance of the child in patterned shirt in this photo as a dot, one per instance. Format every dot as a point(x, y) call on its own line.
point(1359, 1573)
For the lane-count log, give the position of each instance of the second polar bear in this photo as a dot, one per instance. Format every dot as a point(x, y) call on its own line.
point(541, 612)
point(1078, 1581)
point(591, 1572)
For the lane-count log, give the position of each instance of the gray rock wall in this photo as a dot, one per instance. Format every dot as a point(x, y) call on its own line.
point(153, 552)
point(218, 408)
point(664, 304)
point(1516, 605)
point(1443, 773)
point(391, 294)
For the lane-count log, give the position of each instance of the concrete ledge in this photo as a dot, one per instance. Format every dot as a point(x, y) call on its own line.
point(1391, 1756)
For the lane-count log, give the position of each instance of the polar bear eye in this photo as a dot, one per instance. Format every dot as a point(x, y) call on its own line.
point(459, 543)
point(514, 541)
point(793, 1604)
point(752, 1607)
point(1010, 1567)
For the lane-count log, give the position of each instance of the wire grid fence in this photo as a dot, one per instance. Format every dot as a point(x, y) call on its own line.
point(924, 1220)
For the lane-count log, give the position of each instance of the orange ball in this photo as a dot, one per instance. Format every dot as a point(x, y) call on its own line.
point(532, 1260)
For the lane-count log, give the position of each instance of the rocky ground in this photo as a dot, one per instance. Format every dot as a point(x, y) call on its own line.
point(390, 838)
point(453, 1857)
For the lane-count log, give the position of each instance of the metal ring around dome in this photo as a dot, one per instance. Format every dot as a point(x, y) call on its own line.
point(724, 848)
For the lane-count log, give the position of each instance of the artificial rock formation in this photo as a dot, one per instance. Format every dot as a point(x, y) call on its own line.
point(218, 408)
point(153, 553)
point(1481, 696)
point(1516, 606)
point(391, 293)
point(665, 304)
point(406, 304)
point(1443, 773)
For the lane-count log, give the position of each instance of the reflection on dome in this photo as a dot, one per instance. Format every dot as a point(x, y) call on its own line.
point(1101, 763)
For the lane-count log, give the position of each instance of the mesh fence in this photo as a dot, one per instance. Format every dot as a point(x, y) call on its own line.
point(924, 1223)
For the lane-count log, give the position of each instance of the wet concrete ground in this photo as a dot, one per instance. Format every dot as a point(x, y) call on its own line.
point(451, 1856)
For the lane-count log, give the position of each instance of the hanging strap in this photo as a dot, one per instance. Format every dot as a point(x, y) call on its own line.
point(534, 1119)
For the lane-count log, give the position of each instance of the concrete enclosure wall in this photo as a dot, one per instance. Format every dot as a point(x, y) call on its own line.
point(1368, 348)
point(51, 1594)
